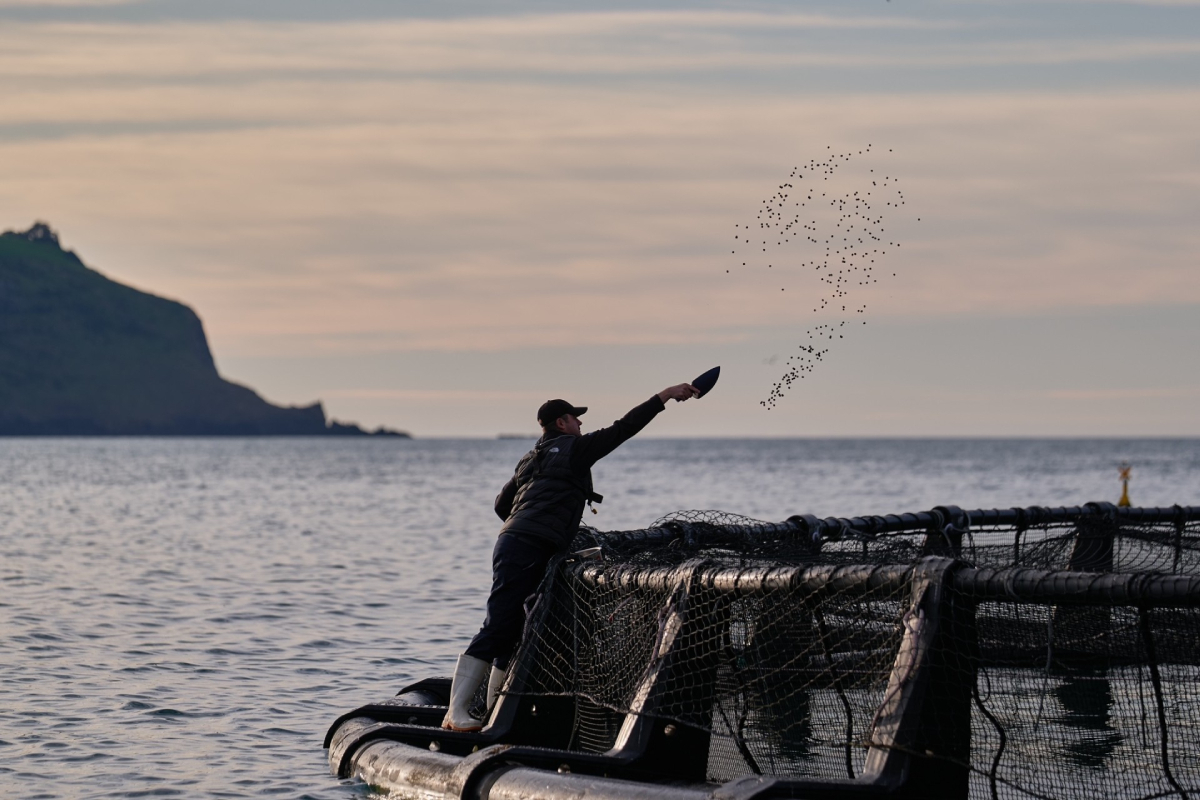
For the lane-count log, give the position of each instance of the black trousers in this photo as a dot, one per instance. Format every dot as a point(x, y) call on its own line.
point(518, 566)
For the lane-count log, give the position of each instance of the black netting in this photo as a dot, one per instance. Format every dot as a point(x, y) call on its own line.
point(1058, 668)
point(1084, 721)
point(782, 681)
point(1087, 700)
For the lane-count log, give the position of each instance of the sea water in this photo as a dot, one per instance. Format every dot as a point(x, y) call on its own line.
point(186, 617)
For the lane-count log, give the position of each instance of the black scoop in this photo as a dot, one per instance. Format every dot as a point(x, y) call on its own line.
point(707, 380)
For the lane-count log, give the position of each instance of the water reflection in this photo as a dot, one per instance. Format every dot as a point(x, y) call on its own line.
point(1087, 702)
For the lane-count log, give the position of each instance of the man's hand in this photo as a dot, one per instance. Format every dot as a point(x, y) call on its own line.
point(679, 393)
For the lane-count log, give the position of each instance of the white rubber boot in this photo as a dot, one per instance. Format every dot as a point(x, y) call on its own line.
point(495, 681)
point(468, 674)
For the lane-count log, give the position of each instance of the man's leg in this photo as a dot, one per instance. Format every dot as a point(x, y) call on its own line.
point(517, 568)
point(468, 674)
point(495, 682)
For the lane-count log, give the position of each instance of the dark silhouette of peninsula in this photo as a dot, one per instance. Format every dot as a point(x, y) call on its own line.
point(83, 355)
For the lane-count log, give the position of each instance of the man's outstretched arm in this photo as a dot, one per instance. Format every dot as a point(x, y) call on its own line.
point(594, 446)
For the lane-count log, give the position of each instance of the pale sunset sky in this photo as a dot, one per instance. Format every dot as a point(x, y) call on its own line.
point(435, 215)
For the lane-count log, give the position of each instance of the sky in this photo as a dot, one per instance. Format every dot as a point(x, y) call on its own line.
point(434, 216)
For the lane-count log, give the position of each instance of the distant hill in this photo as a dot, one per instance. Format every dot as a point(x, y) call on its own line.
point(83, 355)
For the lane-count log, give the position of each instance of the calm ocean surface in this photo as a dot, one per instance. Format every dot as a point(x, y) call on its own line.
point(185, 617)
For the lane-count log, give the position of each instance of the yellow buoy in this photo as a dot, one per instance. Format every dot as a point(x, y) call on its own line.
point(1125, 470)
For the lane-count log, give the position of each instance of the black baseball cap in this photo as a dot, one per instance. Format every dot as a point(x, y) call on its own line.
point(553, 409)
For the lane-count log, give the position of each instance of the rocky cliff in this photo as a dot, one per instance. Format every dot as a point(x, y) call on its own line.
point(83, 355)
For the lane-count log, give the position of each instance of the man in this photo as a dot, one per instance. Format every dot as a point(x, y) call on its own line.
point(541, 506)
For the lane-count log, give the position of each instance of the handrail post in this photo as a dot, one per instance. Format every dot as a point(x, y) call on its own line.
point(921, 737)
point(944, 536)
point(1093, 552)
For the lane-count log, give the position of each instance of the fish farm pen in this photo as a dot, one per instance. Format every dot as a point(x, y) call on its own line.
point(1015, 653)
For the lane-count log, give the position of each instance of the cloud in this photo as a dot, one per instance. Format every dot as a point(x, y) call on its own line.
point(1147, 393)
point(70, 3)
point(553, 46)
point(478, 395)
point(1160, 3)
point(405, 215)
point(572, 43)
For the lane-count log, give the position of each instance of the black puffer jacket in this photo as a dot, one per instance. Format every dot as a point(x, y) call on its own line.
point(545, 497)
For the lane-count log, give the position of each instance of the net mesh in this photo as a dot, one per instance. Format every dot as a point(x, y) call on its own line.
point(701, 620)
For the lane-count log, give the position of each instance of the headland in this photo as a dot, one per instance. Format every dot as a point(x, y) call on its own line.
point(83, 355)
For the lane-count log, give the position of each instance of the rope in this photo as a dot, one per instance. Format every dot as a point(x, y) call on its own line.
point(841, 692)
point(999, 730)
point(1148, 641)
